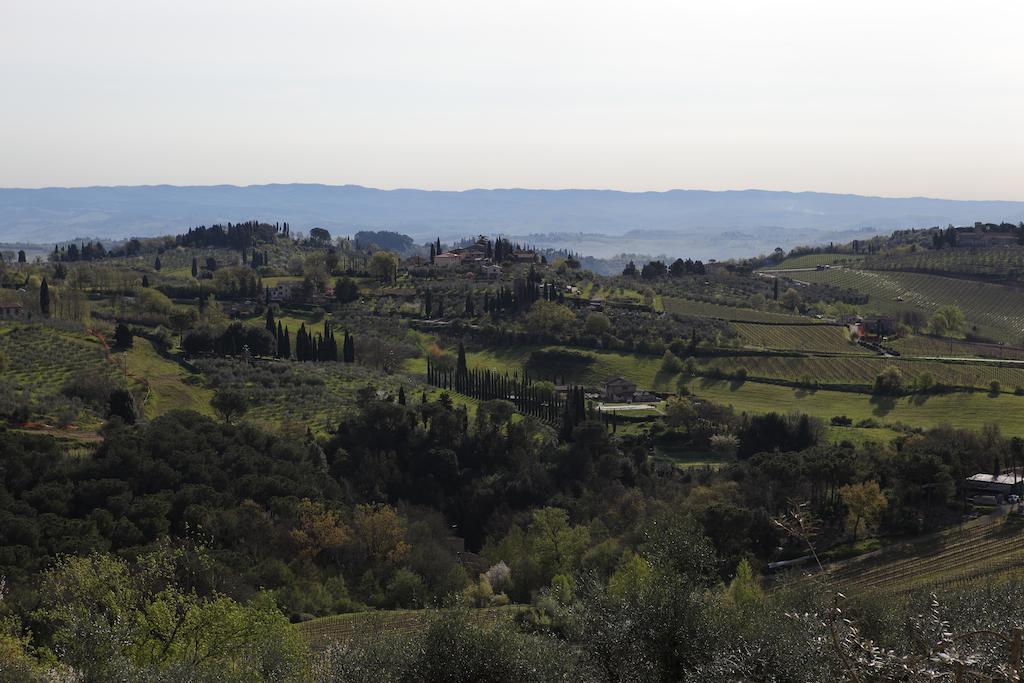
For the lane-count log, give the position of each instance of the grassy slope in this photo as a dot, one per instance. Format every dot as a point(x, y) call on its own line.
point(968, 410)
point(170, 386)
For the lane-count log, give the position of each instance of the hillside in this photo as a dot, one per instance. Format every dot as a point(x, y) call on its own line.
point(983, 549)
point(697, 223)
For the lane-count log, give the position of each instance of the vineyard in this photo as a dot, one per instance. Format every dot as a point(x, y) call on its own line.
point(807, 338)
point(996, 310)
point(862, 370)
point(920, 345)
point(812, 260)
point(732, 313)
point(1002, 263)
point(984, 548)
point(344, 627)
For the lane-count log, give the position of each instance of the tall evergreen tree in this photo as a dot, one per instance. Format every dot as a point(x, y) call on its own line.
point(401, 396)
point(195, 267)
point(271, 327)
point(44, 298)
point(156, 264)
point(460, 366)
point(349, 349)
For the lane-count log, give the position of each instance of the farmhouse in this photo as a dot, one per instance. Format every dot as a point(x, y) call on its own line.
point(11, 311)
point(447, 259)
point(1000, 486)
point(618, 390)
point(879, 326)
point(523, 256)
point(285, 291)
point(491, 271)
point(988, 235)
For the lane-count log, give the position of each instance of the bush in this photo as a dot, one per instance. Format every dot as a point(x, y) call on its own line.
point(91, 387)
point(841, 421)
point(995, 388)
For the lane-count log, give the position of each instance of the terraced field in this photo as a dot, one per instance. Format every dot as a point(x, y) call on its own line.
point(998, 311)
point(965, 410)
point(984, 548)
point(807, 338)
point(341, 628)
point(732, 313)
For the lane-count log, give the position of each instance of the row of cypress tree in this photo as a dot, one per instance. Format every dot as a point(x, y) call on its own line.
point(309, 347)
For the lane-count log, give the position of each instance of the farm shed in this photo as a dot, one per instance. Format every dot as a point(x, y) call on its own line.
point(998, 485)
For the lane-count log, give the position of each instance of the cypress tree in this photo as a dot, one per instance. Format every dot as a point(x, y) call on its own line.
point(271, 327)
point(287, 344)
point(44, 298)
point(195, 267)
point(401, 396)
point(156, 264)
point(349, 349)
point(280, 340)
point(470, 308)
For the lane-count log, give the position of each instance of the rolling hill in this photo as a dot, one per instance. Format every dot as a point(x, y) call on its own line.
point(698, 223)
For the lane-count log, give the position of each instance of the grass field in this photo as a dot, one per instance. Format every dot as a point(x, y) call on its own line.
point(998, 311)
point(965, 410)
point(985, 548)
point(708, 310)
point(859, 435)
point(685, 460)
point(807, 338)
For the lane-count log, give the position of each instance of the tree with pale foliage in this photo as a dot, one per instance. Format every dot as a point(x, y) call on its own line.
point(947, 321)
point(384, 266)
point(865, 503)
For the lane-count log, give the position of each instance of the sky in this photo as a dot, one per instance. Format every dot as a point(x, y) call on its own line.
point(890, 98)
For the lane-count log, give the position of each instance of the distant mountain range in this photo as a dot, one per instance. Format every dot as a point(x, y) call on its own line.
point(695, 223)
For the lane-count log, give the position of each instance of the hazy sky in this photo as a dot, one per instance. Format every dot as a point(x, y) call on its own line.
point(890, 97)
